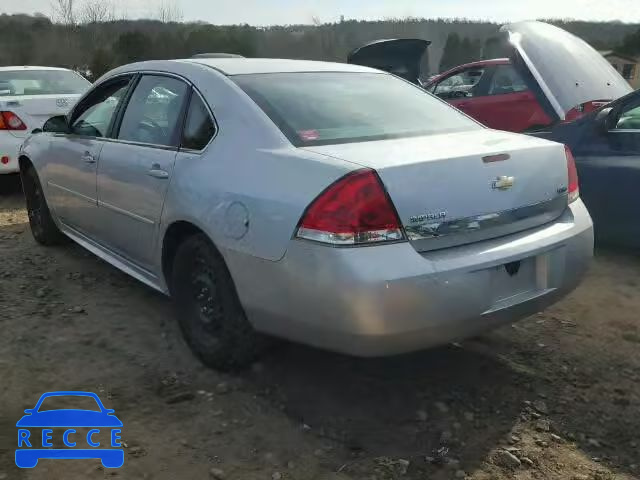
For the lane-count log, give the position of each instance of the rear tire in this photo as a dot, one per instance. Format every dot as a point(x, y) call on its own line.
point(43, 227)
point(208, 309)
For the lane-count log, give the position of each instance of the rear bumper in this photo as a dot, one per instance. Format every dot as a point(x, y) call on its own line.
point(9, 147)
point(391, 299)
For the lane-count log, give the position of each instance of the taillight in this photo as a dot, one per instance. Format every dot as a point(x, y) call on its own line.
point(355, 210)
point(10, 121)
point(573, 187)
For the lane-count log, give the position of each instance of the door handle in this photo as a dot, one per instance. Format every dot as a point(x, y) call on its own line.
point(88, 158)
point(157, 172)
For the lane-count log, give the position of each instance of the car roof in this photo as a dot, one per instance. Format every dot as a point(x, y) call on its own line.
point(243, 66)
point(29, 67)
point(480, 63)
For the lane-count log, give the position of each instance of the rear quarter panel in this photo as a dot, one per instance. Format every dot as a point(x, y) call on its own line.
point(250, 187)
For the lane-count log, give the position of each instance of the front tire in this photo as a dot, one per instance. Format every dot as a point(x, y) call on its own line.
point(43, 227)
point(208, 309)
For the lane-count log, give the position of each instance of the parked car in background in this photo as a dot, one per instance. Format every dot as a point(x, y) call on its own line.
point(28, 97)
point(492, 92)
point(550, 76)
point(330, 204)
point(216, 55)
point(606, 145)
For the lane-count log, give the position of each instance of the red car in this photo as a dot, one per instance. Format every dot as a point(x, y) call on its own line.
point(550, 77)
point(495, 94)
point(492, 92)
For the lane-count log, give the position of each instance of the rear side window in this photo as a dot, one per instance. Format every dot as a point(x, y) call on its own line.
point(153, 113)
point(42, 82)
point(199, 128)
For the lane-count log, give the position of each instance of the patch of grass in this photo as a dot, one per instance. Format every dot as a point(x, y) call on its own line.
point(631, 337)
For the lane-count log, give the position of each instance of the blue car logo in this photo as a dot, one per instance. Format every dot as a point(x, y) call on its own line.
point(33, 446)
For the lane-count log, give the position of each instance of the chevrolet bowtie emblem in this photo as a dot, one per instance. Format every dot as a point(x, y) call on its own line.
point(503, 183)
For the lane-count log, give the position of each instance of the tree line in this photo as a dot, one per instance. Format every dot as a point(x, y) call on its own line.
point(90, 37)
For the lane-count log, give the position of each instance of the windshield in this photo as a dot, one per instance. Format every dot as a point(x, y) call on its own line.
point(326, 108)
point(62, 402)
point(42, 82)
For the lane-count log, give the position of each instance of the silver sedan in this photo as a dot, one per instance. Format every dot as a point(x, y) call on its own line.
point(329, 204)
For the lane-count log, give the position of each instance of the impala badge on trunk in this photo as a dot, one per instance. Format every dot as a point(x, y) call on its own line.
point(503, 183)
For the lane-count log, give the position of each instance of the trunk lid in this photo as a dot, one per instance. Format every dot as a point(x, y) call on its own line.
point(569, 72)
point(34, 110)
point(460, 188)
point(402, 57)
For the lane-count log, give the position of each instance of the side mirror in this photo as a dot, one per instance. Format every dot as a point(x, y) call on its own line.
point(29, 411)
point(603, 120)
point(57, 124)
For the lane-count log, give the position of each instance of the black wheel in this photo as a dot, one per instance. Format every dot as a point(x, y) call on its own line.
point(208, 309)
point(44, 229)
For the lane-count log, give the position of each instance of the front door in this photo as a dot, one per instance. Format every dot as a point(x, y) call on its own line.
point(609, 170)
point(71, 171)
point(463, 88)
point(136, 167)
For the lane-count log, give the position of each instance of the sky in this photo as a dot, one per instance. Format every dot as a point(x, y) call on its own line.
point(270, 12)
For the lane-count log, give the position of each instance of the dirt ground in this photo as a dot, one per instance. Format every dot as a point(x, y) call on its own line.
point(556, 396)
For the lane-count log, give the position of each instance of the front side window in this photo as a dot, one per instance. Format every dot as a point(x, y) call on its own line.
point(460, 85)
point(79, 402)
point(628, 71)
point(42, 82)
point(154, 110)
point(319, 108)
point(506, 80)
point(93, 117)
point(199, 127)
point(629, 118)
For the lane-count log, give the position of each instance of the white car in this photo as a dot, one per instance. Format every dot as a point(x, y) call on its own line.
point(28, 97)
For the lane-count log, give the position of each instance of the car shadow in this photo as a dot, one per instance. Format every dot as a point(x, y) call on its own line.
point(452, 404)
point(451, 407)
point(10, 184)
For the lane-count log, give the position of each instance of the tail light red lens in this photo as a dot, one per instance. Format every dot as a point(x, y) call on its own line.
point(573, 187)
point(10, 121)
point(354, 210)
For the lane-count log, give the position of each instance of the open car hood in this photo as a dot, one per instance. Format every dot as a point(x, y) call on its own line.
point(568, 71)
point(401, 56)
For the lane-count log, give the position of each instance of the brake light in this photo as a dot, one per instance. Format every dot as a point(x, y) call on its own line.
point(10, 121)
point(573, 187)
point(355, 210)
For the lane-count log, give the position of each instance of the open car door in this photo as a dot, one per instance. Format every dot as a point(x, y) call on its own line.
point(402, 57)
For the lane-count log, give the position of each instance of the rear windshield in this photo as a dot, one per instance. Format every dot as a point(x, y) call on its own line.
point(328, 108)
point(41, 82)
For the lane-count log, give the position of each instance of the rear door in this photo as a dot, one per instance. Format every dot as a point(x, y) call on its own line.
point(609, 170)
point(73, 159)
point(136, 166)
